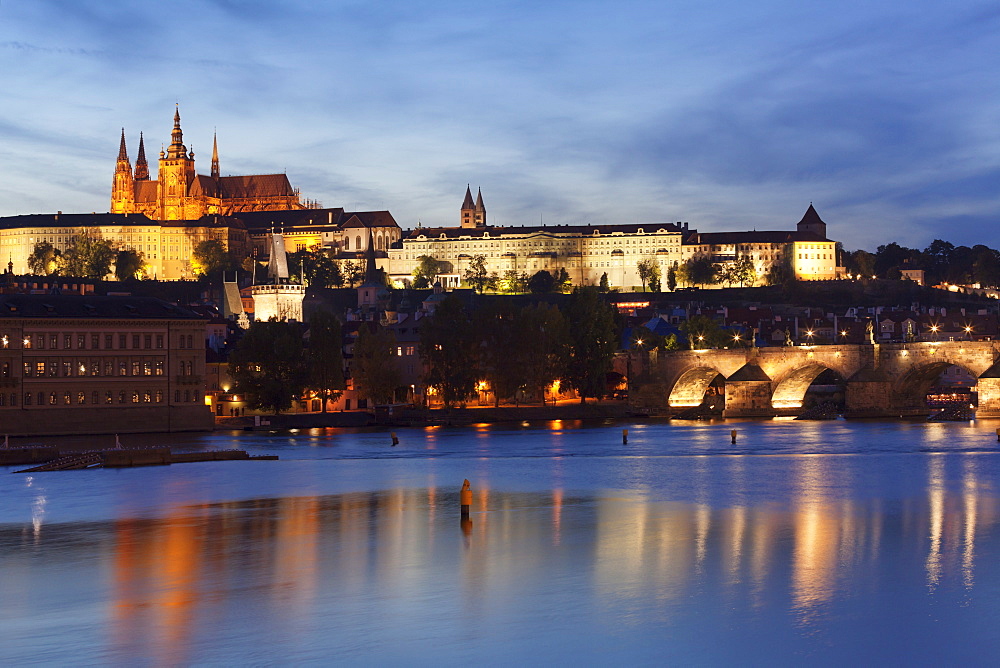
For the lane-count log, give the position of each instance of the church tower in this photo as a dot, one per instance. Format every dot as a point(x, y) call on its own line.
point(811, 222)
point(468, 209)
point(141, 166)
point(215, 157)
point(480, 212)
point(122, 192)
point(175, 175)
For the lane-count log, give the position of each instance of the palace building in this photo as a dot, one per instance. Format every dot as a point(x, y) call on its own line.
point(587, 252)
point(179, 193)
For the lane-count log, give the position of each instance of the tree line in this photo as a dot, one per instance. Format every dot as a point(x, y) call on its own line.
point(941, 261)
point(518, 350)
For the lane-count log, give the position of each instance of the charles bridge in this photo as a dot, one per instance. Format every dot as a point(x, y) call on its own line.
point(880, 380)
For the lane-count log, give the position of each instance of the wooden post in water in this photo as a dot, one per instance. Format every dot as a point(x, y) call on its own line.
point(624, 436)
point(733, 435)
point(465, 499)
point(395, 441)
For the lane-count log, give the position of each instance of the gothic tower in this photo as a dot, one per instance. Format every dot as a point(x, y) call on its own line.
point(141, 166)
point(468, 209)
point(175, 175)
point(480, 213)
point(122, 192)
point(215, 157)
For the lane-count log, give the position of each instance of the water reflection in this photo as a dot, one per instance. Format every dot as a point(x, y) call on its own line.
point(356, 561)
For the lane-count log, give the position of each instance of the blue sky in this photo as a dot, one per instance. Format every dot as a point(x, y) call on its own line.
point(728, 115)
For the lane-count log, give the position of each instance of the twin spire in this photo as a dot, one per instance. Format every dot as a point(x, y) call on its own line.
point(176, 150)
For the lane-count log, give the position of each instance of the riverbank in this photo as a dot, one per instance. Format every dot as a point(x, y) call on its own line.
point(415, 417)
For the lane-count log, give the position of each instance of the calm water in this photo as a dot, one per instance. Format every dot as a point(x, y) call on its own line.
point(818, 543)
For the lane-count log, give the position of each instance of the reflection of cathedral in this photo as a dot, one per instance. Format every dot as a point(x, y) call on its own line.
point(178, 193)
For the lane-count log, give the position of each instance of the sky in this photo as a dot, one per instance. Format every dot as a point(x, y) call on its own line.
point(730, 116)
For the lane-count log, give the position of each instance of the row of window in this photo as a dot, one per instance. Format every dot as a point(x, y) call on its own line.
point(53, 341)
point(95, 367)
point(95, 398)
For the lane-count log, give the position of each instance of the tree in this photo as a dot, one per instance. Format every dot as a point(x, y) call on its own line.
point(592, 342)
point(374, 369)
point(316, 267)
point(703, 332)
point(209, 258)
point(648, 271)
point(426, 271)
point(672, 277)
point(268, 366)
point(701, 271)
point(325, 356)
point(88, 256)
point(547, 358)
point(352, 272)
point(450, 350)
point(501, 348)
point(477, 275)
point(541, 282)
point(44, 259)
point(129, 264)
point(562, 280)
point(603, 286)
point(514, 281)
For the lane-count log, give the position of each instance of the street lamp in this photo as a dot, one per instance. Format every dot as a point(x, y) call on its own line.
point(809, 335)
point(843, 333)
point(934, 330)
point(701, 339)
point(968, 332)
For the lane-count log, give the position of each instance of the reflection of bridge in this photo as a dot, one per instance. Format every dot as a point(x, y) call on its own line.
point(880, 379)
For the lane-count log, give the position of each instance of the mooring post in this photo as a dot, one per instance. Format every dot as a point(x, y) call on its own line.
point(395, 441)
point(998, 434)
point(624, 436)
point(465, 499)
point(732, 434)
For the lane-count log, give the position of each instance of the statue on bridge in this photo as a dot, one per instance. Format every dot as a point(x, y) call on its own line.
point(870, 332)
point(788, 337)
point(910, 337)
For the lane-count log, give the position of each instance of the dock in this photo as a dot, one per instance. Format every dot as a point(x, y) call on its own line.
point(51, 459)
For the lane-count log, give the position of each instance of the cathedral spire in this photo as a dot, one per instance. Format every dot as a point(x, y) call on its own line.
point(480, 209)
point(215, 157)
point(176, 148)
point(122, 153)
point(141, 166)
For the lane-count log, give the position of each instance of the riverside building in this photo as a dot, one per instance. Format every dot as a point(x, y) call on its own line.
point(92, 365)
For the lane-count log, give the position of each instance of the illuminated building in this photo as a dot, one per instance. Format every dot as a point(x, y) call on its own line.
point(88, 365)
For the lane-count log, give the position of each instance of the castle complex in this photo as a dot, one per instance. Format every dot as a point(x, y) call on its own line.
point(179, 193)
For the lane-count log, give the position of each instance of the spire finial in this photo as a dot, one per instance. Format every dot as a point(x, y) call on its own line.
point(141, 166)
point(215, 156)
point(122, 153)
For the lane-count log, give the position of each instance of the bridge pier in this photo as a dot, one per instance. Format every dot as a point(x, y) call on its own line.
point(748, 393)
point(988, 388)
point(868, 394)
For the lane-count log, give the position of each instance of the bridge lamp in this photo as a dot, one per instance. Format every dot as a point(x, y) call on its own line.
point(843, 333)
point(968, 331)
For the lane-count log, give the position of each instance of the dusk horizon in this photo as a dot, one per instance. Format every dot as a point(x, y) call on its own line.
point(723, 116)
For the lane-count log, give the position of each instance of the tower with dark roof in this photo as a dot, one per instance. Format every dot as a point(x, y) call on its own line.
point(480, 212)
point(175, 174)
point(122, 192)
point(468, 216)
point(811, 222)
point(215, 157)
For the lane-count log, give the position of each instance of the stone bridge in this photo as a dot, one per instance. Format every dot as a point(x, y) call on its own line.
point(881, 380)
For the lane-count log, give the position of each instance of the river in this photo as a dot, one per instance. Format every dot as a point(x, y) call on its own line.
point(805, 542)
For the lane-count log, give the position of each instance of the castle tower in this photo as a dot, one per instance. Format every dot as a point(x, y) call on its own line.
point(811, 222)
point(141, 166)
point(480, 212)
point(175, 174)
point(468, 209)
point(215, 157)
point(122, 192)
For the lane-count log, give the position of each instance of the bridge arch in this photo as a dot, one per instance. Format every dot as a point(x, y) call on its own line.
point(910, 390)
point(790, 391)
point(690, 388)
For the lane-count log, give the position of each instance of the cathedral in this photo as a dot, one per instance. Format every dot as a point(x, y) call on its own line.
point(179, 193)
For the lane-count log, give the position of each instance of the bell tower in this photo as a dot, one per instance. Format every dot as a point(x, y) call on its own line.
point(122, 191)
point(175, 175)
point(468, 209)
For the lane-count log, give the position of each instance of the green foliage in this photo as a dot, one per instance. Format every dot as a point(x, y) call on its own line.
point(325, 357)
point(604, 286)
point(591, 341)
point(562, 280)
point(450, 350)
point(476, 275)
point(352, 272)
point(541, 282)
point(700, 270)
point(427, 270)
point(316, 267)
point(649, 271)
point(739, 272)
point(268, 366)
point(514, 282)
point(129, 265)
point(672, 277)
point(88, 256)
point(44, 259)
point(209, 258)
point(374, 369)
point(703, 332)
